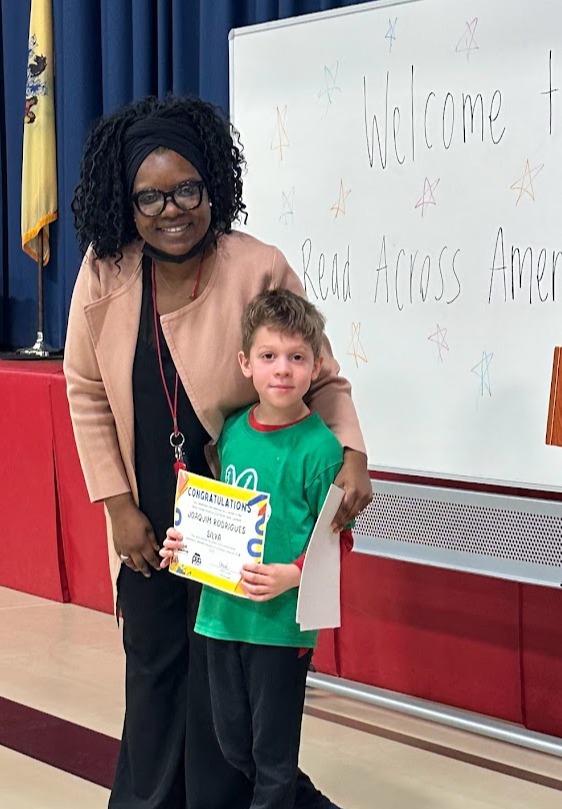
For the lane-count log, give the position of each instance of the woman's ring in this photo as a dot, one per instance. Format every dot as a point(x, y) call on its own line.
point(123, 557)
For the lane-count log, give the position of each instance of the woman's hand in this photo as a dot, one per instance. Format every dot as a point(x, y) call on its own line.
point(172, 545)
point(354, 479)
point(133, 536)
point(264, 582)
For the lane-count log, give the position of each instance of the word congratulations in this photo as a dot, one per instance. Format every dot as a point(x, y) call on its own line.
point(218, 500)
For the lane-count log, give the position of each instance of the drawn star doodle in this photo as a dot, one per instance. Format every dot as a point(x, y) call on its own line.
point(482, 370)
point(330, 87)
point(525, 183)
point(391, 33)
point(427, 198)
point(466, 43)
point(438, 337)
point(339, 206)
point(280, 139)
point(356, 349)
point(287, 206)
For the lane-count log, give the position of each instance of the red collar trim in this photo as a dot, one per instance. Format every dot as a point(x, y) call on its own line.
point(269, 428)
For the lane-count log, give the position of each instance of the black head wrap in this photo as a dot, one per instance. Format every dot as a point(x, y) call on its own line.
point(147, 134)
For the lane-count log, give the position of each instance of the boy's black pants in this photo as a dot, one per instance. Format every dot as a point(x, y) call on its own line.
point(170, 757)
point(257, 698)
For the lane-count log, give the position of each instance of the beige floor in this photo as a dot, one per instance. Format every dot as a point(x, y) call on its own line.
point(67, 661)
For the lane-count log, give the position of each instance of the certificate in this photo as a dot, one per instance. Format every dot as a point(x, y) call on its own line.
point(223, 528)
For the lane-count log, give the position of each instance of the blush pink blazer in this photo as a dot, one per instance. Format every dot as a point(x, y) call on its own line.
point(204, 338)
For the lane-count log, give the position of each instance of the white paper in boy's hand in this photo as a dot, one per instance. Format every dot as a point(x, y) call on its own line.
point(318, 605)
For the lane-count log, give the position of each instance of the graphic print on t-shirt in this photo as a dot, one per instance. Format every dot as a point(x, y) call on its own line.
point(248, 479)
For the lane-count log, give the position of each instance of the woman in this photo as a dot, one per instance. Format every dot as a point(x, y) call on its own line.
point(151, 368)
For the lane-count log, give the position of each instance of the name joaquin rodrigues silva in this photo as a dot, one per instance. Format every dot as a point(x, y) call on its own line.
point(221, 501)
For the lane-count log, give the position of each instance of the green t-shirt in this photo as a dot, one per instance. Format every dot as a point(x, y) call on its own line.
point(296, 465)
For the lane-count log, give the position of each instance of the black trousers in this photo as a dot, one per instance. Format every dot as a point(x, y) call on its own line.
point(170, 756)
point(257, 698)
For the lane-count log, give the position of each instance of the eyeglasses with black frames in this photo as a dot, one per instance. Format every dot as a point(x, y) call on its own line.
point(186, 196)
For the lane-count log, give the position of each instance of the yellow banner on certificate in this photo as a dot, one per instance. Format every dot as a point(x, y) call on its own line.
point(223, 528)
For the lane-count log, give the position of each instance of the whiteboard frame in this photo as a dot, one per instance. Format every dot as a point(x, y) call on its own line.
point(421, 483)
point(421, 475)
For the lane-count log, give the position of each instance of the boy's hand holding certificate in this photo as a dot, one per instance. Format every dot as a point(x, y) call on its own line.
point(223, 528)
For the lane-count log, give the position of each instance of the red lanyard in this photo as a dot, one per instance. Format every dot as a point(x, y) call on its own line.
point(177, 438)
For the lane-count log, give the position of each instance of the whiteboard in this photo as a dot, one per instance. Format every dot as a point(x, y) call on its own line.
point(407, 159)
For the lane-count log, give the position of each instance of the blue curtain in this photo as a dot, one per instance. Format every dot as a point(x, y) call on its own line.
point(107, 52)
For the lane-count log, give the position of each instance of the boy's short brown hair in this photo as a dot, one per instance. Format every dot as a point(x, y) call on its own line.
point(285, 312)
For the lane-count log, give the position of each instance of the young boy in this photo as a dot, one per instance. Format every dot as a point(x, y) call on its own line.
point(258, 657)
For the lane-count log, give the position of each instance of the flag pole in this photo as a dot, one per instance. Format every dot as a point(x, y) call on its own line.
point(39, 156)
point(39, 348)
point(40, 286)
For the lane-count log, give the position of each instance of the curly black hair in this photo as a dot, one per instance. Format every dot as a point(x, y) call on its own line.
point(103, 213)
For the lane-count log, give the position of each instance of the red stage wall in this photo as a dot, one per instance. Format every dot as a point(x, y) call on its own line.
point(30, 520)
